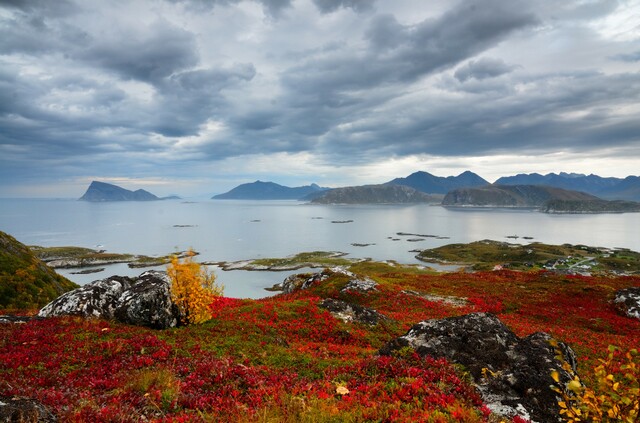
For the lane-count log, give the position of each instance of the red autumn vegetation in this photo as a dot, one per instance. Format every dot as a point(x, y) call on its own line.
point(285, 359)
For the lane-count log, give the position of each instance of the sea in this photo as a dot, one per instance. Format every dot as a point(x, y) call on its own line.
point(230, 230)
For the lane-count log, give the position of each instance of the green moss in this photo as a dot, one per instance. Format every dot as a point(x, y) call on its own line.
point(314, 258)
point(484, 255)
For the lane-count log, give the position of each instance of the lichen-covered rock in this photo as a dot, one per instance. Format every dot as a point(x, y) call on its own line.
point(148, 302)
point(96, 299)
point(10, 318)
point(141, 301)
point(513, 374)
point(358, 284)
point(352, 312)
point(627, 301)
point(303, 280)
point(24, 410)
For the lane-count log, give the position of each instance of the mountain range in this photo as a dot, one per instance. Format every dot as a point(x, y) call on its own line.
point(609, 188)
point(542, 197)
point(624, 189)
point(431, 184)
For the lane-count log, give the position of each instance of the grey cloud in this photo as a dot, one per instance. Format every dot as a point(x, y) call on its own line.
point(147, 57)
point(337, 80)
point(483, 68)
point(189, 98)
point(328, 6)
point(41, 7)
point(630, 57)
point(385, 32)
point(561, 112)
point(273, 8)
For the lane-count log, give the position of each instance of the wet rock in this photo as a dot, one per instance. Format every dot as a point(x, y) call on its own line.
point(24, 410)
point(513, 374)
point(148, 302)
point(627, 301)
point(96, 299)
point(141, 301)
point(352, 312)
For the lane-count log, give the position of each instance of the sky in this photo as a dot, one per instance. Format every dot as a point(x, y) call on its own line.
point(193, 97)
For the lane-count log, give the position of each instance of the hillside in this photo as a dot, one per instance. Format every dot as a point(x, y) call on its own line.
point(102, 191)
point(590, 206)
point(431, 184)
point(25, 281)
point(608, 188)
point(291, 358)
point(375, 194)
point(260, 190)
point(534, 196)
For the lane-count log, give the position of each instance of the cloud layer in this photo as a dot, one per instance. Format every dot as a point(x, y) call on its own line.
point(209, 93)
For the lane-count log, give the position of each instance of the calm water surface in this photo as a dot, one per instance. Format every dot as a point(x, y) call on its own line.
point(236, 230)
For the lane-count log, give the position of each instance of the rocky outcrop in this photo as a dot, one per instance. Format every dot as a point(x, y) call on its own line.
point(96, 299)
point(148, 302)
point(627, 301)
point(348, 312)
point(303, 280)
point(24, 410)
point(513, 374)
point(358, 284)
point(142, 301)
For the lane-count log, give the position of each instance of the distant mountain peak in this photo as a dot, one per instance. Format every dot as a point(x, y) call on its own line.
point(103, 191)
point(609, 188)
point(431, 184)
point(260, 190)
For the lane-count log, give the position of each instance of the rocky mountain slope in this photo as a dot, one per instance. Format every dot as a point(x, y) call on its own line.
point(511, 196)
point(608, 188)
point(426, 182)
point(545, 198)
point(375, 194)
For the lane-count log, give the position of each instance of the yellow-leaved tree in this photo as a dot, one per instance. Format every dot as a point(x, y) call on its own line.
point(193, 289)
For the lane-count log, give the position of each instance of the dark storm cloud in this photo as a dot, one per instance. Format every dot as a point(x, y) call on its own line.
point(273, 8)
point(482, 68)
point(190, 98)
point(324, 90)
point(630, 57)
point(576, 112)
point(156, 53)
point(328, 6)
point(398, 53)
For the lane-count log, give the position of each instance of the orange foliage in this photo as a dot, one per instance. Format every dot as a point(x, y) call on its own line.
point(193, 289)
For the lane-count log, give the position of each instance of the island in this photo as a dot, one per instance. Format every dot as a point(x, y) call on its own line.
point(102, 191)
point(375, 194)
point(540, 197)
point(260, 190)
